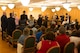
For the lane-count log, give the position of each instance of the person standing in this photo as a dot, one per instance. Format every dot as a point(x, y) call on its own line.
point(16, 20)
point(3, 23)
point(31, 21)
point(45, 23)
point(39, 21)
point(62, 18)
point(11, 25)
point(24, 16)
point(68, 17)
point(57, 18)
point(23, 21)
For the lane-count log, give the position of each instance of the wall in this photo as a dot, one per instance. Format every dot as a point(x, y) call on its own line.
point(75, 13)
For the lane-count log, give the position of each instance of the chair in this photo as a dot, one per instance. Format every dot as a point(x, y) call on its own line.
point(5, 35)
point(29, 45)
point(15, 36)
point(69, 47)
point(43, 37)
point(78, 47)
point(54, 49)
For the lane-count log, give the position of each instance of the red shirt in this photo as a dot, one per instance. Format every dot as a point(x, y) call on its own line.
point(45, 46)
point(62, 40)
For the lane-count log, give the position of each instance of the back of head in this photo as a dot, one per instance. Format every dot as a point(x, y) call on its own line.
point(43, 29)
point(74, 33)
point(4, 13)
point(24, 12)
point(10, 14)
point(37, 26)
point(26, 31)
point(66, 13)
point(78, 33)
point(50, 36)
point(40, 15)
point(62, 30)
point(31, 17)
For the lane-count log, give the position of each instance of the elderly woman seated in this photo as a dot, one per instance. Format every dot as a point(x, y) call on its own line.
point(62, 38)
point(20, 44)
point(49, 41)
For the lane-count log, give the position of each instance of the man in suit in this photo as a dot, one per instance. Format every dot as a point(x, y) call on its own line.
point(62, 18)
point(23, 20)
point(11, 25)
point(68, 17)
point(39, 21)
point(24, 16)
point(3, 23)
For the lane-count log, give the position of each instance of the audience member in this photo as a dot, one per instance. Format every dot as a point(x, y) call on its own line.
point(49, 42)
point(38, 34)
point(76, 24)
point(62, 39)
point(26, 33)
point(20, 43)
point(31, 31)
point(34, 29)
point(75, 38)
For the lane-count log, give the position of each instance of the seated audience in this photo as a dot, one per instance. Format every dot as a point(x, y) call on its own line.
point(41, 32)
point(20, 43)
point(26, 33)
point(73, 30)
point(44, 45)
point(31, 31)
point(68, 31)
point(76, 39)
point(62, 39)
point(34, 29)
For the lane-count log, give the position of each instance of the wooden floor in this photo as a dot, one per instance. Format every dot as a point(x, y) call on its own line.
point(5, 48)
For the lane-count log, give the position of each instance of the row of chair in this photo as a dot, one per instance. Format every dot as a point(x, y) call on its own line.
point(15, 36)
point(30, 47)
point(30, 42)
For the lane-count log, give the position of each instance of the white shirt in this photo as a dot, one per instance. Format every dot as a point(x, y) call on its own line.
point(64, 22)
point(74, 39)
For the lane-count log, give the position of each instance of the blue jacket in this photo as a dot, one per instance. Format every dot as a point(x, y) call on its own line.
point(38, 35)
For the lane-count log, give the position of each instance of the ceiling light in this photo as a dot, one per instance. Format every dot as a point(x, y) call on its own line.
point(25, 2)
point(78, 7)
point(66, 5)
point(31, 9)
point(11, 5)
point(68, 9)
point(57, 8)
point(53, 10)
point(43, 8)
point(3, 8)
